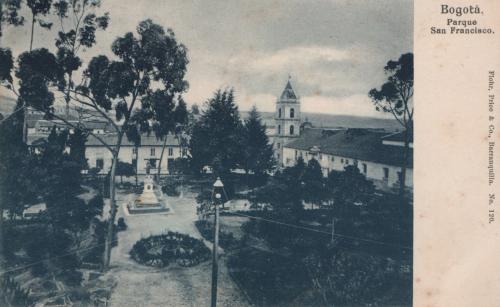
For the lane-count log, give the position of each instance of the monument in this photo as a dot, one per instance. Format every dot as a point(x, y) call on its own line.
point(151, 199)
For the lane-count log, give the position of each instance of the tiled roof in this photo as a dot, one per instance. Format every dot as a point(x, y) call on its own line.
point(361, 144)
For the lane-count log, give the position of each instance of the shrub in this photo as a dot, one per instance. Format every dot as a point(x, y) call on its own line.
point(161, 250)
point(170, 188)
point(11, 293)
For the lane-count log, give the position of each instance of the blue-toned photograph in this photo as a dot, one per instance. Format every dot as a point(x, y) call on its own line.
point(206, 153)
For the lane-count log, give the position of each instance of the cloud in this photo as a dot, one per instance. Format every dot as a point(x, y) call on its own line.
point(359, 105)
point(289, 58)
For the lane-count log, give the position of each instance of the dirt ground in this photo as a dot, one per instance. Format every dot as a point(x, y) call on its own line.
point(139, 285)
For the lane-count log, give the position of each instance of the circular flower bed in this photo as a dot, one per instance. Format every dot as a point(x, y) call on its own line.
point(161, 250)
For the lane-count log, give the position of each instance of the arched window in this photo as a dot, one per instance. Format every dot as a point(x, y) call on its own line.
point(279, 129)
point(291, 130)
point(292, 113)
point(279, 113)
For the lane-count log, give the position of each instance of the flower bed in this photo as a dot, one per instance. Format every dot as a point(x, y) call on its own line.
point(161, 250)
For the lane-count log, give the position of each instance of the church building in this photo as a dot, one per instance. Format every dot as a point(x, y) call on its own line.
point(378, 154)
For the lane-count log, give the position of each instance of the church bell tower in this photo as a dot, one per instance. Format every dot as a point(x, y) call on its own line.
point(287, 120)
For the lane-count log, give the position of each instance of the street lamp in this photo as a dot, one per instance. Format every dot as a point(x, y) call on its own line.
point(218, 192)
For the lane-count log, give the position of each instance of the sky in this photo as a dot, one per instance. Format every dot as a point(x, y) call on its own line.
point(334, 50)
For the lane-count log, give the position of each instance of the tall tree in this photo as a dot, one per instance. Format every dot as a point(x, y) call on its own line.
point(396, 97)
point(150, 70)
point(314, 186)
point(15, 188)
point(216, 138)
point(258, 152)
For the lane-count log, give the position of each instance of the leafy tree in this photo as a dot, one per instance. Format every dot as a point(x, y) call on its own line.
point(150, 69)
point(396, 97)
point(314, 186)
point(16, 188)
point(76, 143)
point(216, 137)
point(9, 14)
point(125, 169)
point(258, 152)
point(349, 188)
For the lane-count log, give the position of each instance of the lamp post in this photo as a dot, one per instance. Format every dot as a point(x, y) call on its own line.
point(217, 195)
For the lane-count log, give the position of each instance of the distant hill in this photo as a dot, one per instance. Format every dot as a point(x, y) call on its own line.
point(7, 105)
point(333, 121)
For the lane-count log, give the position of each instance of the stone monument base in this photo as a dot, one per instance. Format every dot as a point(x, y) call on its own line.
point(150, 201)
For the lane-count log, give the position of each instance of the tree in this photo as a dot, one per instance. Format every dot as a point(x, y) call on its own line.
point(9, 14)
point(396, 97)
point(216, 137)
point(258, 153)
point(150, 69)
point(179, 120)
point(349, 188)
point(15, 187)
point(78, 25)
point(124, 169)
point(314, 187)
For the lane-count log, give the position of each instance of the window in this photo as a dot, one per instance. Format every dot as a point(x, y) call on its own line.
point(170, 151)
point(333, 158)
point(296, 154)
point(399, 176)
point(152, 163)
point(134, 162)
point(341, 160)
point(134, 150)
point(279, 129)
point(279, 113)
point(320, 156)
point(365, 168)
point(291, 129)
point(346, 161)
point(99, 163)
point(386, 173)
point(184, 152)
point(152, 151)
point(278, 145)
point(292, 113)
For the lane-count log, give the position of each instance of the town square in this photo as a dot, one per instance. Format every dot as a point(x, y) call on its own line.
point(171, 153)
